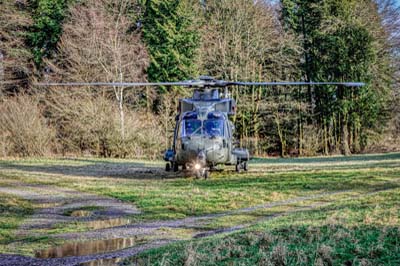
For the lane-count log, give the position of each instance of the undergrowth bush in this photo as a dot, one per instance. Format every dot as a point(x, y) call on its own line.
point(88, 124)
point(76, 125)
point(23, 129)
point(312, 141)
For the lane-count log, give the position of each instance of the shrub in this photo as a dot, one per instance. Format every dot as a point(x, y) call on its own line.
point(90, 123)
point(24, 130)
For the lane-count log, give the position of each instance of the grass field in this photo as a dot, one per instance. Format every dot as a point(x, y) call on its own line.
point(310, 211)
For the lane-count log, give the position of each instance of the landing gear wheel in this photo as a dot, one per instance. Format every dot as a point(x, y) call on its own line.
point(168, 167)
point(202, 173)
point(199, 174)
point(206, 174)
point(245, 166)
point(175, 167)
point(238, 168)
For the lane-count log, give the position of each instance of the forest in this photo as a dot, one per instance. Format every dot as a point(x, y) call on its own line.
point(173, 40)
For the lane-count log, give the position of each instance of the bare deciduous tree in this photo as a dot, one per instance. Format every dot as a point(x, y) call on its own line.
point(15, 58)
point(244, 40)
point(99, 44)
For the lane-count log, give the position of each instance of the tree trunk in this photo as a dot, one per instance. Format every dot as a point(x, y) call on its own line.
point(1, 73)
point(344, 143)
point(122, 117)
point(326, 148)
point(281, 136)
point(300, 137)
point(119, 94)
point(121, 108)
point(344, 125)
point(344, 137)
point(356, 140)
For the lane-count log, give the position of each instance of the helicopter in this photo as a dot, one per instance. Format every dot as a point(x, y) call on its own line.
point(204, 133)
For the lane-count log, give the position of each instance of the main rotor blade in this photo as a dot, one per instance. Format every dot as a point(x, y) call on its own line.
point(284, 83)
point(198, 83)
point(10, 82)
point(121, 84)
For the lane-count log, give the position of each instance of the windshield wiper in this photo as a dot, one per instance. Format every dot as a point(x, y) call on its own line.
point(194, 132)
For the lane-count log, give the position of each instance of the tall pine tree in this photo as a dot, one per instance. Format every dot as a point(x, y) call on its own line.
point(172, 39)
point(341, 45)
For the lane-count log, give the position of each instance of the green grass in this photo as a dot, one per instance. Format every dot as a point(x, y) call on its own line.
point(294, 245)
point(13, 211)
point(180, 197)
point(273, 180)
point(363, 231)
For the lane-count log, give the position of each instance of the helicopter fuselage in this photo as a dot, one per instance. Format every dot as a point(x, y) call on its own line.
point(204, 134)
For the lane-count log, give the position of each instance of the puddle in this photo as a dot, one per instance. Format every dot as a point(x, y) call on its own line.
point(102, 262)
point(48, 205)
point(100, 224)
point(86, 248)
point(81, 213)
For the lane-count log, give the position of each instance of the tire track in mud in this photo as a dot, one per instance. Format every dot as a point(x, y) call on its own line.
point(52, 203)
point(147, 228)
point(286, 213)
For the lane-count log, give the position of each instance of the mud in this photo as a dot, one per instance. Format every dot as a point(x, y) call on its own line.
point(101, 224)
point(54, 202)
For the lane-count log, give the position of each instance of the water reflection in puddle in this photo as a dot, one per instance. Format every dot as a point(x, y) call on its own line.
point(100, 224)
point(86, 248)
point(80, 213)
point(45, 205)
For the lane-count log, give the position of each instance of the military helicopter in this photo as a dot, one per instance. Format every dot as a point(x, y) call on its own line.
point(204, 133)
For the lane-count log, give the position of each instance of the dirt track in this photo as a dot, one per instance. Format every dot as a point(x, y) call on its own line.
point(56, 201)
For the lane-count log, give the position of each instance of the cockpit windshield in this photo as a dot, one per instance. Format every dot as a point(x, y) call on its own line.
point(214, 127)
point(192, 127)
point(209, 128)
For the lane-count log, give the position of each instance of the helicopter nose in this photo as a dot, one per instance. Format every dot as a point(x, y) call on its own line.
point(201, 156)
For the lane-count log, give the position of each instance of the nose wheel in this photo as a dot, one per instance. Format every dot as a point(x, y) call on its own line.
point(202, 173)
point(168, 167)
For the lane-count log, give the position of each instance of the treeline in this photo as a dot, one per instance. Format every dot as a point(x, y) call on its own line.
point(172, 40)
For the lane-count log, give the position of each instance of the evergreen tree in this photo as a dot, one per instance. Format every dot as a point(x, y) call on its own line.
point(46, 30)
point(339, 45)
point(170, 33)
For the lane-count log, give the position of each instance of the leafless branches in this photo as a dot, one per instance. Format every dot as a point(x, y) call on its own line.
point(98, 44)
point(23, 129)
point(15, 59)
